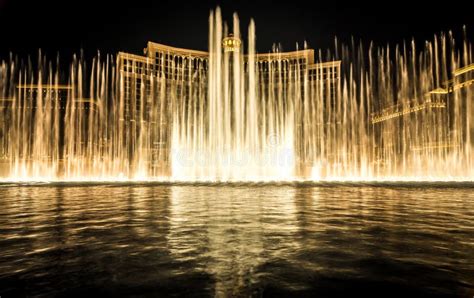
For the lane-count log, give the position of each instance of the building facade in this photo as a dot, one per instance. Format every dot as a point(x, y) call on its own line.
point(154, 82)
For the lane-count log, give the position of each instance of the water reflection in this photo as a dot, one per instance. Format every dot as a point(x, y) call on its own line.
point(233, 235)
point(231, 240)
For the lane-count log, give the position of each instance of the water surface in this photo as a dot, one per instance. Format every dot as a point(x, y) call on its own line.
point(236, 239)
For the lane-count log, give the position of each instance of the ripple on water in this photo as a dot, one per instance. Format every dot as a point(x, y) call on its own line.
point(238, 238)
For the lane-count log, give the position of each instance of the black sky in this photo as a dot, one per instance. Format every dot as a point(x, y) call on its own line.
point(68, 26)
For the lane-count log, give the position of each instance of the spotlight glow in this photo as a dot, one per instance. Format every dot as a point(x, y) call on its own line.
point(232, 114)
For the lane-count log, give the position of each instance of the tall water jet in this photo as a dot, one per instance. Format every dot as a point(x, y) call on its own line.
point(237, 136)
point(232, 114)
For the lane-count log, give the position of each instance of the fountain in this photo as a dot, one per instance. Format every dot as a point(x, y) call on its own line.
point(230, 138)
point(231, 114)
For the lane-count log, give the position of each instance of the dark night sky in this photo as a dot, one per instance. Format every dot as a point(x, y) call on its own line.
point(68, 26)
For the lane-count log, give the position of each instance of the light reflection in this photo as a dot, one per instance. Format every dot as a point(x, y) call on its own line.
point(234, 235)
point(225, 240)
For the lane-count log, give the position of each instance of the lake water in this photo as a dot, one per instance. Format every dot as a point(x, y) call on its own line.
point(237, 239)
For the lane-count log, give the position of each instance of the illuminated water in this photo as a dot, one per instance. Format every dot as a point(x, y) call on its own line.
point(240, 239)
point(243, 120)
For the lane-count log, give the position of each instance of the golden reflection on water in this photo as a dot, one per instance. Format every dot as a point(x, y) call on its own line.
point(236, 239)
point(233, 235)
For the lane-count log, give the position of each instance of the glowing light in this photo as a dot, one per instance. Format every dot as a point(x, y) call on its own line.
point(232, 115)
point(463, 70)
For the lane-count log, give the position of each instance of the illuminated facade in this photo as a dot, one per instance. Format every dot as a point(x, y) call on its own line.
point(176, 72)
point(441, 112)
point(184, 115)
